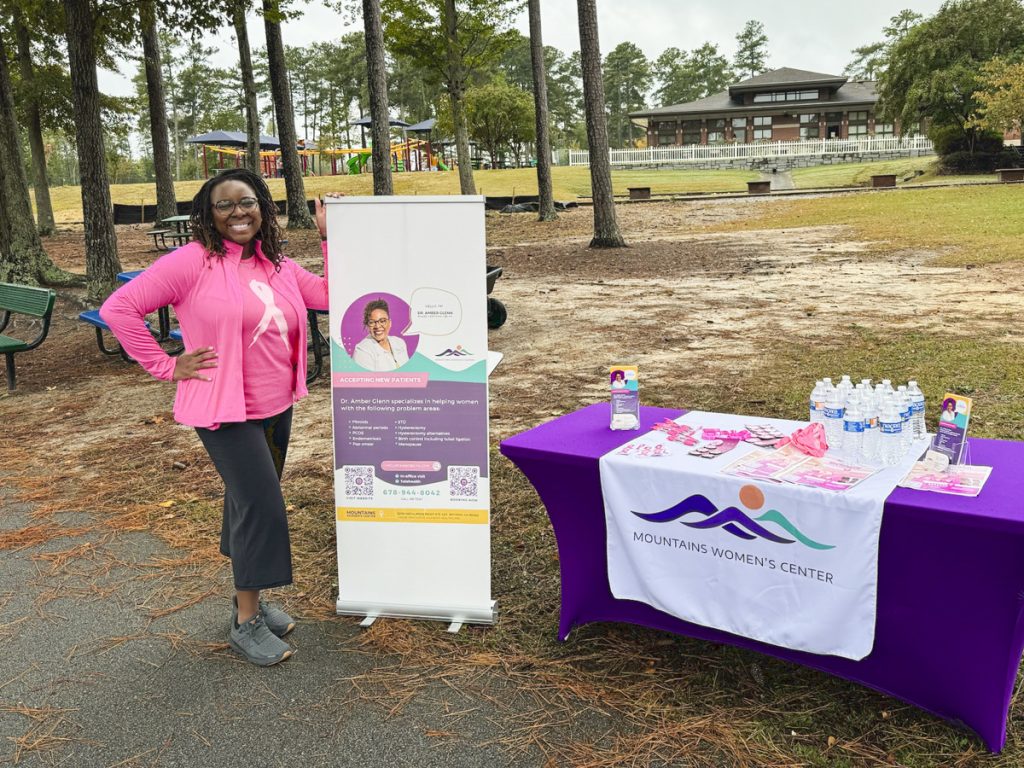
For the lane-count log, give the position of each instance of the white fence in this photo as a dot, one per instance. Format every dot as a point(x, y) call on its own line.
point(704, 153)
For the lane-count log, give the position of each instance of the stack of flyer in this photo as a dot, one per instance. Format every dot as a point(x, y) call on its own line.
point(788, 465)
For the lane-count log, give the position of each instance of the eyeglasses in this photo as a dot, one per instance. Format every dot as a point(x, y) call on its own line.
point(227, 207)
point(382, 322)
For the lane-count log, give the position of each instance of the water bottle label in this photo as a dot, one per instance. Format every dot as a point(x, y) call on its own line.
point(917, 407)
point(853, 426)
point(892, 428)
point(834, 413)
point(872, 423)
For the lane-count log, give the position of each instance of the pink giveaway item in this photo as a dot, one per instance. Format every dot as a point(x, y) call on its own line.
point(809, 440)
point(710, 433)
point(676, 433)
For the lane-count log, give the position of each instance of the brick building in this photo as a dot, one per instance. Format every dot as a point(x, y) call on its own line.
point(779, 105)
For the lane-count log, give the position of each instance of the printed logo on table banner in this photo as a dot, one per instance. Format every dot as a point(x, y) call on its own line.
point(733, 520)
point(777, 562)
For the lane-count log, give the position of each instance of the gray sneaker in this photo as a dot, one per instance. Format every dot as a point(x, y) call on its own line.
point(257, 643)
point(278, 622)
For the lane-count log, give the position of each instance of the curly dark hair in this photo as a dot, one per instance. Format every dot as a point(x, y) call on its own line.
point(371, 306)
point(205, 232)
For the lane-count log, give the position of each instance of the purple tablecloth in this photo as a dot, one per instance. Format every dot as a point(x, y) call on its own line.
point(950, 625)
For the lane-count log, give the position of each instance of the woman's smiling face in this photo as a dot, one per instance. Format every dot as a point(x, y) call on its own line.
point(379, 325)
point(236, 211)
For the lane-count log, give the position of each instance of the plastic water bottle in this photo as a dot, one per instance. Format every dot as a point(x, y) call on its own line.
point(866, 383)
point(890, 437)
point(845, 386)
point(834, 411)
point(917, 410)
point(818, 402)
point(904, 400)
point(853, 433)
point(887, 385)
point(829, 386)
point(871, 430)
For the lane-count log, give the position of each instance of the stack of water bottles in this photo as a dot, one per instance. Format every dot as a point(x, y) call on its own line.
point(869, 425)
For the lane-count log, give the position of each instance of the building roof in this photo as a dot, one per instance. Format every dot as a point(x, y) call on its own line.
point(848, 93)
point(785, 76)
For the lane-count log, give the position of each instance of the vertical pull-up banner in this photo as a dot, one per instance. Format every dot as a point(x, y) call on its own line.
point(408, 338)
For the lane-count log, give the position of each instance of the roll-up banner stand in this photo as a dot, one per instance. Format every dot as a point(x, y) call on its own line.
point(408, 335)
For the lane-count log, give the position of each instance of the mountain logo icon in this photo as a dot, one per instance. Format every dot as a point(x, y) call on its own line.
point(734, 520)
point(459, 351)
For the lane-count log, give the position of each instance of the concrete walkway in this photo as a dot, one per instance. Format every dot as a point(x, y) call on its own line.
point(87, 679)
point(781, 181)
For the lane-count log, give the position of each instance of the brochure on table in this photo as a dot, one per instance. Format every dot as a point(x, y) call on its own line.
point(785, 564)
point(951, 438)
point(412, 486)
point(957, 479)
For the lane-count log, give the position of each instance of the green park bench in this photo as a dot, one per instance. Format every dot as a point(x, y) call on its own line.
point(23, 300)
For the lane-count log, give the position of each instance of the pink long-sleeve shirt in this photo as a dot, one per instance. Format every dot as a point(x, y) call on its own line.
point(204, 291)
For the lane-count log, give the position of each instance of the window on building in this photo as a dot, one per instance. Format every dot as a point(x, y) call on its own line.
point(762, 129)
point(739, 130)
point(858, 127)
point(691, 131)
point(763, 98)
point(809, 127)
point(666, 132)
point(885, 129)
point(716, 131)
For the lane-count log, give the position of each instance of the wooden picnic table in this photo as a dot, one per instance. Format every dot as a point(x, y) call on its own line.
point(178, 221)
point(181, 231)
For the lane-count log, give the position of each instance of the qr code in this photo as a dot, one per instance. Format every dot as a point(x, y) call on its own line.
point(359, 482)
point(462, 481)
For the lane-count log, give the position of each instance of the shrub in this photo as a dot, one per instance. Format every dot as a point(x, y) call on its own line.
point(978, 162)
point(949, 139)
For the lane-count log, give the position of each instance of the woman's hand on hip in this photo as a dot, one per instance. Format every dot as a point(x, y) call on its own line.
point(189, 364)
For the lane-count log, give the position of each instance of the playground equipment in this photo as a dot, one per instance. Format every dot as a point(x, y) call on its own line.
point(408, 155)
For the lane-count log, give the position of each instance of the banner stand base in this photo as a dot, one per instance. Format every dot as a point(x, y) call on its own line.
point(455, 617)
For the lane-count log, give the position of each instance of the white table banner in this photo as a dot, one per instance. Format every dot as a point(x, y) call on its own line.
point(785, 564)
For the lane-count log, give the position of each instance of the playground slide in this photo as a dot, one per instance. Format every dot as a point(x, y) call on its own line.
point(442, 167)
point(356, 163)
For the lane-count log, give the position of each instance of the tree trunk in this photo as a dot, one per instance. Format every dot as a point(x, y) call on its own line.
point(101, 262)
point(166, 204)
point(298, 214)
point(376, 79)
point(456, 90)
point(23, 259)
point(252, 113)
point(606, 227)
point(546, 212)
point(41, 183)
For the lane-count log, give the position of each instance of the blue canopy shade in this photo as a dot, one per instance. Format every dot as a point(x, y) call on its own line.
point(368, 121)
point(426, 125)
point(232, 139)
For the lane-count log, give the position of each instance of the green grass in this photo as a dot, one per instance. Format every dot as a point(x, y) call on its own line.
point(919, 170)
point(568, 184)
point(971, 225)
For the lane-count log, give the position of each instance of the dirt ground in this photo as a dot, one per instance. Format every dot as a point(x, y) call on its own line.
point(682, 301)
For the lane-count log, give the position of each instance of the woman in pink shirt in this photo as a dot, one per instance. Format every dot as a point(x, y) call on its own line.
point(242, 308)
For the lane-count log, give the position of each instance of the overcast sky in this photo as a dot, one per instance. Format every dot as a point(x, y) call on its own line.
point(801, 35)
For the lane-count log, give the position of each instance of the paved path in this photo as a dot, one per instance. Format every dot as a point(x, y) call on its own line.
point(72, 693)
point(782, 180)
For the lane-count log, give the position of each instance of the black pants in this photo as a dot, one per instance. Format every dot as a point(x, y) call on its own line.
point(249, 457)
